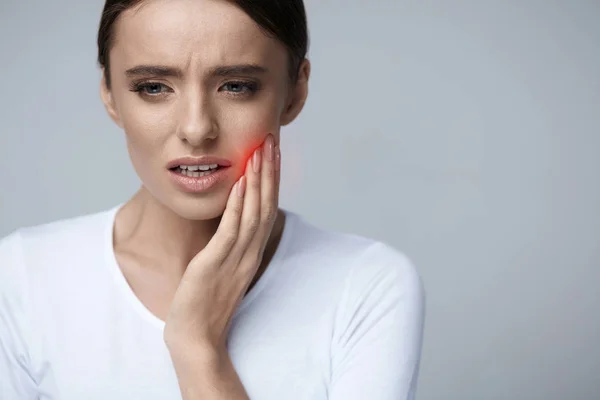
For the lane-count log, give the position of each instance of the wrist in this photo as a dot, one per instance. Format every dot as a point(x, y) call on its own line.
point(205, 372)
point(183, 348)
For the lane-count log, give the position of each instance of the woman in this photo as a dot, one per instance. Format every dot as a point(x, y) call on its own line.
point(200, 287)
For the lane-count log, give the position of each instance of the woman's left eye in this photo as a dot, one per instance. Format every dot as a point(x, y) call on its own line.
point(150, 89)
point(240, 87)
point(154, 88)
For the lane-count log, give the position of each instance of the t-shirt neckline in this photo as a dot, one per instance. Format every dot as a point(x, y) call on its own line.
point(144, 312)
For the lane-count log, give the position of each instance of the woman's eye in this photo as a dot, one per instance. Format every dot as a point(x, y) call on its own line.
point(150, 88)
point(240, 87)
point(153, 88)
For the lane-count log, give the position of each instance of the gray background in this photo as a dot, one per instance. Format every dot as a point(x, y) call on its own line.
point(465, 133)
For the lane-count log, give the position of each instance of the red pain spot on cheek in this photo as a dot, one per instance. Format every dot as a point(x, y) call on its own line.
point(247, 159)
point(252, 147)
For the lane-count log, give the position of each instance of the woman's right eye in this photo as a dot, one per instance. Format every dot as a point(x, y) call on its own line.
point(150, 88)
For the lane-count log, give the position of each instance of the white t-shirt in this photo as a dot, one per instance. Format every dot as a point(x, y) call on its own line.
point(335, 316)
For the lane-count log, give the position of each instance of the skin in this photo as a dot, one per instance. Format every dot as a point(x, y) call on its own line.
point(190, 258)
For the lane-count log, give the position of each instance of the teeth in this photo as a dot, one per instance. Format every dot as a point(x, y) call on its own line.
point(198, 167)
point(194, 173)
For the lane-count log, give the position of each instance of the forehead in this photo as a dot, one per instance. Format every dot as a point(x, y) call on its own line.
point(191, 34)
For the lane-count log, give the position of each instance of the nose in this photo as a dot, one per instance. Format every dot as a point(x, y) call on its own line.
point(196, 122)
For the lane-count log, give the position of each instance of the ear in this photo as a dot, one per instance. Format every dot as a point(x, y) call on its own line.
point(297, 96)
point(108, 100)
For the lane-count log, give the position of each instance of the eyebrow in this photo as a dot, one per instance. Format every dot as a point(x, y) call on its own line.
point(221, 71)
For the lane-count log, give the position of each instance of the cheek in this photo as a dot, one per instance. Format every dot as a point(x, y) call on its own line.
point(146, 127)
point(247, 126)
point(250, 135)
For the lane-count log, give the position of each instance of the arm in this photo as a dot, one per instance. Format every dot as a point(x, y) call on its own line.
point(16, 382)
point(379, 329)
point(205, 373)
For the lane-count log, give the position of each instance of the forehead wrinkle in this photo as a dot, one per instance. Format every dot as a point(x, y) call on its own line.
point(177, 23)
point(220, 36)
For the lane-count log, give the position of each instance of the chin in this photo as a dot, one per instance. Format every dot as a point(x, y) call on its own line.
point(205, 206)
point(199, 208)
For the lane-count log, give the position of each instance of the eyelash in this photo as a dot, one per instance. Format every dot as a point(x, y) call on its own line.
point(139, 87)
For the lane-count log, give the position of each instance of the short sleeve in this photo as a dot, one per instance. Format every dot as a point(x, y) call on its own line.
point(378, 331)
point(16, 381)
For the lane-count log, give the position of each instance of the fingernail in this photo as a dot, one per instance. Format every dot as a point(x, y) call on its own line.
point(278, 159)
point(256, 161)
point(241, 186)
point(270, 144)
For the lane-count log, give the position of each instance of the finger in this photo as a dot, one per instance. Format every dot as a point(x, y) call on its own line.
point(270, 195)
point(278, 170)
point(227, 233)
point(250, 220)
point(269, 199)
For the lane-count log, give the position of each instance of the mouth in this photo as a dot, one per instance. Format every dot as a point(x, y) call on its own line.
point(199, 174)
point(199, 178)
point(196, 171)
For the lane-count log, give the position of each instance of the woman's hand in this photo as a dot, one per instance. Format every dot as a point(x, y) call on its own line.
point(218, 277)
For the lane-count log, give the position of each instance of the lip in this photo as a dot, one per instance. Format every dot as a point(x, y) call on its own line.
point(200, 184)
point(203, 160)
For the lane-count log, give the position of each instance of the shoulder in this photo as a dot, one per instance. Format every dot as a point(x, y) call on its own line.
point(68, 231)
point(386, 278)
point(27, 250)
point(366, 265)
point(384, 262)
point(11, 262)
point(73, 234)
point(308, 240)
point(378, 299)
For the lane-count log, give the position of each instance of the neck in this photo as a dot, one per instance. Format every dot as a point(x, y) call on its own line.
point(144, 225)
point(148, 230)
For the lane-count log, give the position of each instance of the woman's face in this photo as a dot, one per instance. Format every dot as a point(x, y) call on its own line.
point(177, 92)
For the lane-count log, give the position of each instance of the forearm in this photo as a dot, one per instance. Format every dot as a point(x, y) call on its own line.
point(206, 373)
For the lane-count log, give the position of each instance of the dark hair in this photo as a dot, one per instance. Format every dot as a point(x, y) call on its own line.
point(284, 20)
